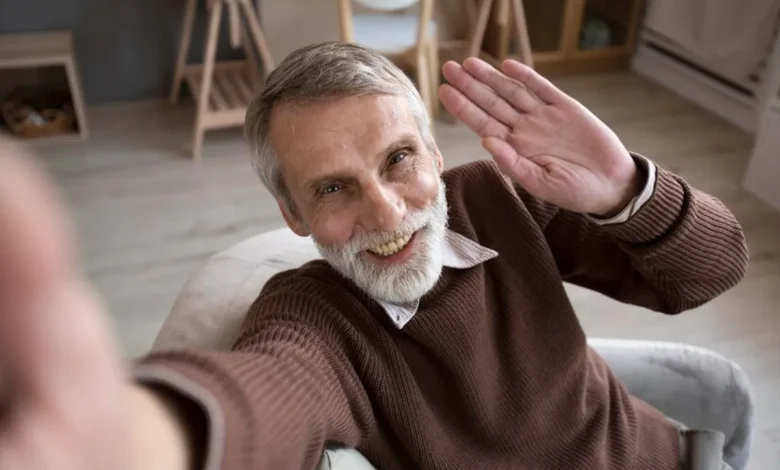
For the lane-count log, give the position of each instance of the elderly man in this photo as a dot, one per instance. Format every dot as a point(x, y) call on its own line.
point(435, 334)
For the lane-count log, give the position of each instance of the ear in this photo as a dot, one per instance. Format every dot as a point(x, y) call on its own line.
point(293, 220)
point(439, 160)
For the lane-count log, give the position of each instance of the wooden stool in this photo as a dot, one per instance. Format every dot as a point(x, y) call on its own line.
point(506, 9)
point(47, 49)
point(410, 40)
point(222, 90)
point(478, 14)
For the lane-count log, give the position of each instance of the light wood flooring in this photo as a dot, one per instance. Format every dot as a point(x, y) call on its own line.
point(148, 217)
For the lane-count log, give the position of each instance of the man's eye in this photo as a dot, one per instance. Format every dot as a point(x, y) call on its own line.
point(331, 188)
point(397, 157)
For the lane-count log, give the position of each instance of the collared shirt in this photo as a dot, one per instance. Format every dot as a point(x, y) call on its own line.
point(460, 252)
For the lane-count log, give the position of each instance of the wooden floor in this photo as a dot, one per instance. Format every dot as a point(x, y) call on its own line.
point(148, 217)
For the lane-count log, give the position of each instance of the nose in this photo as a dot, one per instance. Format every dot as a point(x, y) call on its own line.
point(384, 209)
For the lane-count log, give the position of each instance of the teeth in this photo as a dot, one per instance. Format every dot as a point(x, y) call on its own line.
point(391, 248)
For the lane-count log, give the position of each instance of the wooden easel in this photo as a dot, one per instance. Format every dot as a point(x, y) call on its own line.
point(478, 14)
point(222, 90)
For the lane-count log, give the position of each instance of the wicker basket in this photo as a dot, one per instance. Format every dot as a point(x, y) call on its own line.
point(32, 118)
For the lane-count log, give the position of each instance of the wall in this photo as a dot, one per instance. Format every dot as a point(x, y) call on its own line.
point(126, 49)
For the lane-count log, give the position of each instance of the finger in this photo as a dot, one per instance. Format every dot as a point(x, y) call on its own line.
point(511, 90)
point(520, 169)
point(33, 255)
point(36, 239)
point(479, 93)
point(539, 85)
point(472, 115)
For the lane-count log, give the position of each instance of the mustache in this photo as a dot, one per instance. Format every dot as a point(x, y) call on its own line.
point(364, 241)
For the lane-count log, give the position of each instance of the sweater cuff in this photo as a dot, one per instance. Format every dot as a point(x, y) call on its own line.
point(647, 169)
point(183, 385)
point(657, 216)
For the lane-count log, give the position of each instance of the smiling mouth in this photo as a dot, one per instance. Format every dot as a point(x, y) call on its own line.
point(391, 248)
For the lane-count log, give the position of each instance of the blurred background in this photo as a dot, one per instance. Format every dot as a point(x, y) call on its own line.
point(136, 109)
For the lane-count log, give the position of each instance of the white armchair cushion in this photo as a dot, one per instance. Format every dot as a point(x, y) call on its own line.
point(211, 307)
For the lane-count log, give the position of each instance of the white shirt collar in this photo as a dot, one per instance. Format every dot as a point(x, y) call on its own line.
point(459, 252)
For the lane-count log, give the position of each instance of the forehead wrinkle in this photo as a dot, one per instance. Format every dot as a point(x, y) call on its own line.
point(349, 132)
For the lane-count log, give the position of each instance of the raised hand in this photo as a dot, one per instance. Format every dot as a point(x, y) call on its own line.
point(541, 138)
point(65, 400)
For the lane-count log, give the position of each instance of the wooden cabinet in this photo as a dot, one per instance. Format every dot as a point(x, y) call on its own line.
point(44, 60)
point(570, 36)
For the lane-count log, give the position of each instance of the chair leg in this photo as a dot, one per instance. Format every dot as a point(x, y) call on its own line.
point(184, 46)
point(197, 141)
point(346, 27)
point(435, 78)
point(521, 30)
point(251, 57)
point(261, 42)
point(209, 58)
point(74, 83)
point(478, 34)
point(424, 80)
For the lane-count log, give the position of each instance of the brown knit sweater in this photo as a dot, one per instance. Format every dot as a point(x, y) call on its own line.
point(492, 372)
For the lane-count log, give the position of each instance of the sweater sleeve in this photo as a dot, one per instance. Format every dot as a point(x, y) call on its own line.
point(274, 401)
point(682, 249)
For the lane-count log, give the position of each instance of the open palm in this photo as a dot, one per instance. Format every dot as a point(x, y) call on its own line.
point(540, 137)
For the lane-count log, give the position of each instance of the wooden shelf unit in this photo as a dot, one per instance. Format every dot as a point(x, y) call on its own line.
point(233, 85)
point(26, 51)
point(221, 90)
point(554, 29)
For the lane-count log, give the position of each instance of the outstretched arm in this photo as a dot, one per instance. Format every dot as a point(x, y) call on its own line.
point(271, 403)
point(68, 402)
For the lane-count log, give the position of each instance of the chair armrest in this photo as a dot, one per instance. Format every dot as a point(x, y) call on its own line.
point(694, 386)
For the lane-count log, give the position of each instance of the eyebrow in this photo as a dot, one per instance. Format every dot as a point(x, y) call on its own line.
point(405, 140)
point(315, 185)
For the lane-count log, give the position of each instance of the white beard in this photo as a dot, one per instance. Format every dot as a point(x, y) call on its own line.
point(405, 282)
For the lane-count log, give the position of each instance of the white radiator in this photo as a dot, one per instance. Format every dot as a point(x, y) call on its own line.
point(712, 52)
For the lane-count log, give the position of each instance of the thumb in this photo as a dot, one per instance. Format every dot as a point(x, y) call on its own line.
point(58, 362)
point(54, 334)
point(520, 169)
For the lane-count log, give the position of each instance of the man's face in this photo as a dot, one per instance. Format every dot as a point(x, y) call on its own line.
point(367, 189)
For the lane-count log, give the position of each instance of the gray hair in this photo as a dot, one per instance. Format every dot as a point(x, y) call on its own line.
point(321, 71)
